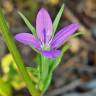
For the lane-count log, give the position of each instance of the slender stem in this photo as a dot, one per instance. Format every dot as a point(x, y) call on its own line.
point(17, 57)
point(44, 72)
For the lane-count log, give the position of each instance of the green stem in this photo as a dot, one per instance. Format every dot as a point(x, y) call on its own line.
point(44, 72)
point(17, 57)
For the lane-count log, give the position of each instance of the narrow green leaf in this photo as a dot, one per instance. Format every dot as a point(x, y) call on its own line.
point(76, 34)
point(9, 40)
point(57, 19)
point(29, 25)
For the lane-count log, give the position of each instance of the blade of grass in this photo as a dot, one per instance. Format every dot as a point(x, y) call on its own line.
point(57, 19)
point(29, 25)
point(9, 40)
point(76, 34)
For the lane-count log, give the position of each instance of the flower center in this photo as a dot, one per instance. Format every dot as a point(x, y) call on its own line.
point(45, 47)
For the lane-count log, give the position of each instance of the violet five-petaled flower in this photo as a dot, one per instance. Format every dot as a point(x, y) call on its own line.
point(45, 43)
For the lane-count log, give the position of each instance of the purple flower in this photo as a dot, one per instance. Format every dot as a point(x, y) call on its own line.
point(45, 43)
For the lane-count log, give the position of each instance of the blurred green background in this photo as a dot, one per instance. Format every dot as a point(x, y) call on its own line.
point(76, 75)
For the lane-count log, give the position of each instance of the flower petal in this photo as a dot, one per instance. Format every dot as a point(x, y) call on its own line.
point(51, 53)
point(43, 26)
point(64, 34)
point(27, 38)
